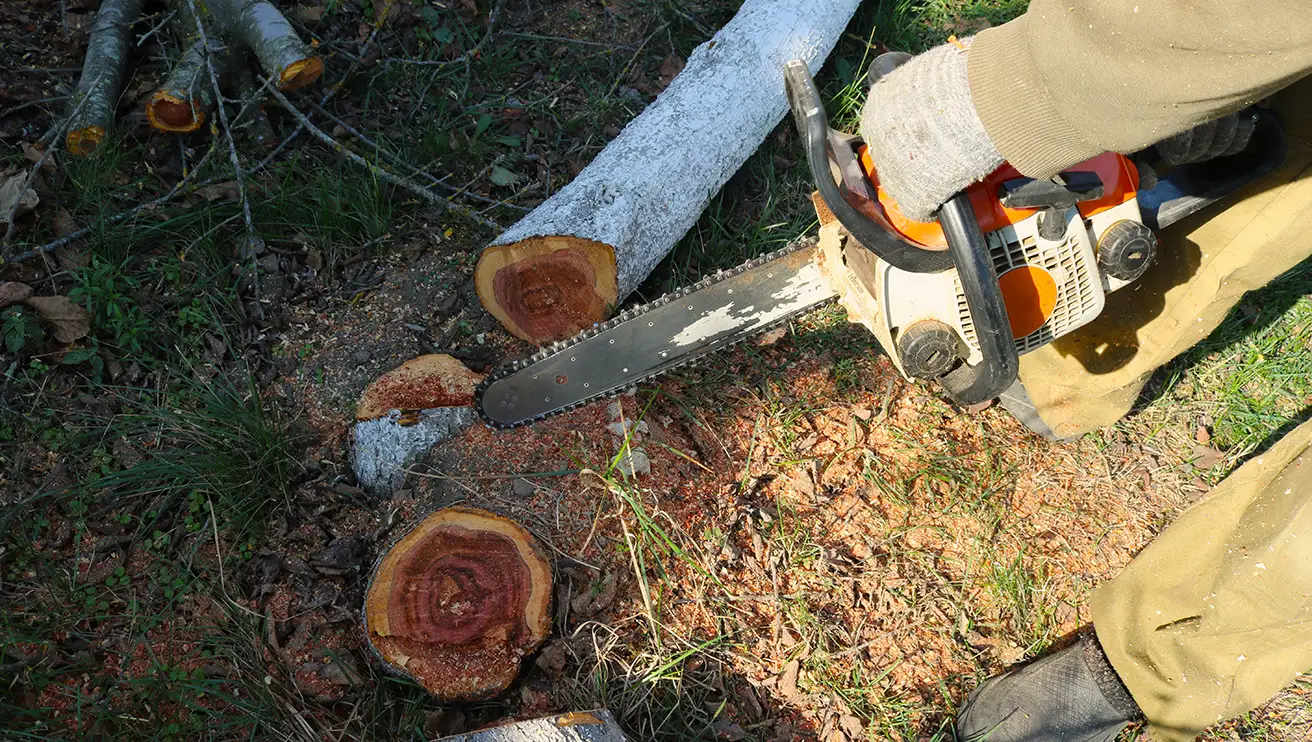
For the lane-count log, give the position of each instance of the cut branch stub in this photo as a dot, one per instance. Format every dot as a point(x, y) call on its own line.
point(458, 602)
point(102, 75)
point(268, 33)
point(182, 102)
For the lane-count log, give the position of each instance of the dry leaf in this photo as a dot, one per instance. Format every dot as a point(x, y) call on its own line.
point(13, 292)
point(671, 66)
point(227, 190)
point(788, 689)
point(73, 255)
point(33, 154)
point(852, 727)
point(68, 321)
point(310, 13)
point(732, 731)
point(15, 198)
point(1204, 457)
point(63, 223)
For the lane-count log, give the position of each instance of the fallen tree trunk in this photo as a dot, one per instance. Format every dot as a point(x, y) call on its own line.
point(102, 76)
point(572, 259)
point(458, 602)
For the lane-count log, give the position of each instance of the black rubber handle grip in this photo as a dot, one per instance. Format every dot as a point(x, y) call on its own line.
point(970, 385)
point(813, 127)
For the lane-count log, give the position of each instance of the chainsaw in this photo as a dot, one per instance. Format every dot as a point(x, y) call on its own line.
point(1010, 264)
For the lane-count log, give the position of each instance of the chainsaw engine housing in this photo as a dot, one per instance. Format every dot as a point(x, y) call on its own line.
point(1046, 255)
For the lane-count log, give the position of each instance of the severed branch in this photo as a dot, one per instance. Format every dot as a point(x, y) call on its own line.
point(183, 101)
point(264, 30)
point(102, 75)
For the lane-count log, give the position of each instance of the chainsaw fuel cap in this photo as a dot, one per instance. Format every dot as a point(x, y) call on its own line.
point(1126, 250)
point(928, 349)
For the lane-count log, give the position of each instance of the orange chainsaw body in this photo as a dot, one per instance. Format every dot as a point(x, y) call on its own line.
point(1120, 184)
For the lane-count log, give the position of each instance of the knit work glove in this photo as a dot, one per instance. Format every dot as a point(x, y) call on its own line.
point(923, 134)
point(1217, 138)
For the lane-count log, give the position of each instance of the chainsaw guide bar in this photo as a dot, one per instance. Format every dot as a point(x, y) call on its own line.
point(670, 332)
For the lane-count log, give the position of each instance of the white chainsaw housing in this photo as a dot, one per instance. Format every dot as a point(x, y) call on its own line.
point(886, 299)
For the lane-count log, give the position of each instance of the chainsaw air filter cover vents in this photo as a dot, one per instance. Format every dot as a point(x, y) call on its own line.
point(1068, 264)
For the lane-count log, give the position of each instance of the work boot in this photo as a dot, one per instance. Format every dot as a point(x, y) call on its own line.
point(1069, 696)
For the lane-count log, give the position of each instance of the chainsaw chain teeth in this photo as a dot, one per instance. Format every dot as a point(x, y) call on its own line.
point(560, 346)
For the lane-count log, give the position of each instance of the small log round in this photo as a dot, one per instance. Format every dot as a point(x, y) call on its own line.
point(548, 287)
point(458, 602)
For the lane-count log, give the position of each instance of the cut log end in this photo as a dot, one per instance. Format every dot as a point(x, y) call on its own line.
point(548, 288)
point(300, 73)
point(458, 603)
point(84, 141)
point(169, 112)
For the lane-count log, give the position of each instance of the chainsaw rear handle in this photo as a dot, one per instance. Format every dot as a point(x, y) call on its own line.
point(967, 250)
point(813, 127)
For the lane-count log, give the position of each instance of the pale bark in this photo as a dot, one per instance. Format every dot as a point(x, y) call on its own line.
point(266, 32)
point(569, 262)
point(102, 75)
point(596, 725)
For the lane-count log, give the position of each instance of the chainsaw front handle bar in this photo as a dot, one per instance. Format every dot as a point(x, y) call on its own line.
point(967, 250)
point(970, 385)
point(813, 127)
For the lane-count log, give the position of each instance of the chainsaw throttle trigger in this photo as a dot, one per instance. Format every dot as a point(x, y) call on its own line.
point(823, 145)
point(1053, 196)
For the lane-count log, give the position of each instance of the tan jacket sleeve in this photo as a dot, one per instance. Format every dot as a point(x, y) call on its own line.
point(1071, 79)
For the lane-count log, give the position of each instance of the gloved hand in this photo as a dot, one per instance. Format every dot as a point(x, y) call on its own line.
point(1217, 138)
point(924, 136)
point(928, 143)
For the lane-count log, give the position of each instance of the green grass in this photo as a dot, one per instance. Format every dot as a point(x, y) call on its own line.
point(1252, 377)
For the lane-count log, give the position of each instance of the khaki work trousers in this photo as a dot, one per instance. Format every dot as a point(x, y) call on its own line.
point(1215, 616)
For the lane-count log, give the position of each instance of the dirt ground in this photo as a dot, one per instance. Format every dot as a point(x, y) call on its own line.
point(821, 551)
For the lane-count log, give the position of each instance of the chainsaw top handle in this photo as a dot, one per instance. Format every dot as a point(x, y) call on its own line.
point(823, 144)
point(967, 249)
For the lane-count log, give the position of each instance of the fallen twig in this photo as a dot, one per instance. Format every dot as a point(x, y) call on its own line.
point(177, 189)
point(227, 130)
point(466, 56)
point(399, 162)
point(375, 170)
